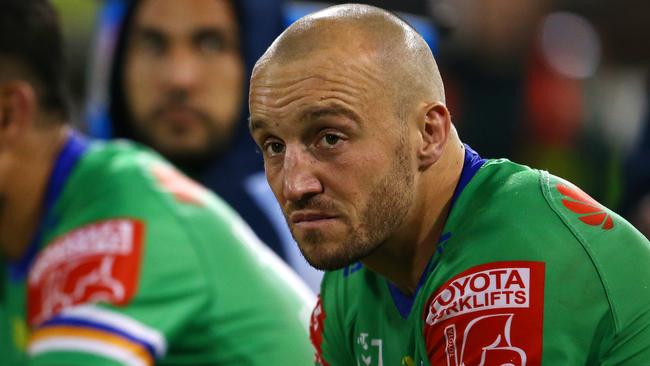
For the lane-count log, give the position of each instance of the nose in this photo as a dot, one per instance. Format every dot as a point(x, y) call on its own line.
point(182, 71)
point(300, 178)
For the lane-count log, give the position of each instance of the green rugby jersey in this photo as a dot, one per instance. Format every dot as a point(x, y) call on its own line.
point(135, 264)
point(529, 271)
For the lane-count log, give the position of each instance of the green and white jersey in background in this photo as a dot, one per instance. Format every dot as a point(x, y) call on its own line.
point(135, 264)
point(529, 271)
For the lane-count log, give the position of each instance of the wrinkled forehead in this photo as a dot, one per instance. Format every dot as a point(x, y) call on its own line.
point(331, 71)
point(323, 85)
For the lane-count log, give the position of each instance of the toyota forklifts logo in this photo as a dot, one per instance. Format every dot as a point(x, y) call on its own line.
point(488, 315)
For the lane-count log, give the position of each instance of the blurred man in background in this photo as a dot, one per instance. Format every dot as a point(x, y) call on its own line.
point(110, 256)
point(177, 81)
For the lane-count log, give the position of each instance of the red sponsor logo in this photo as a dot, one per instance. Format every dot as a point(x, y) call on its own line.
point(488, 315)
point(592, 213)
point(97, 262)
point(316, 325)
point(181, 187)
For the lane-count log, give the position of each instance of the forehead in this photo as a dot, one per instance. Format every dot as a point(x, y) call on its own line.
point(292, 97)
point(178, 16)
point(320, 78)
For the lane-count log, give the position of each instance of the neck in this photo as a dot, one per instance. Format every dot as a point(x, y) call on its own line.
point(403, 258)
point(22, 197)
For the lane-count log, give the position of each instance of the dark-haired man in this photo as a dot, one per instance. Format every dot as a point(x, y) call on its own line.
point(435, 255)
point(173, 77)
point(110, 256)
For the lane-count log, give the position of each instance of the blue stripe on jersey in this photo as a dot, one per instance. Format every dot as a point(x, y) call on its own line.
point(348, 270)
point(471, 164)
point(82, 323)
point(404, 303)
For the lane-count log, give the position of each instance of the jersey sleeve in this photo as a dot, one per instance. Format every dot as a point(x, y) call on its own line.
point(623, 256)
point(630, 346)
point(620, 254)
point(119, 300)
point(327, 328)
point(151, 268)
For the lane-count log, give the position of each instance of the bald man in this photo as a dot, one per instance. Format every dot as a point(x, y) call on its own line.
point(434, 255)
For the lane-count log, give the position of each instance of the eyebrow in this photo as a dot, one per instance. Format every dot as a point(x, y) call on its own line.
point(317, 112)
point(146, 31)
point(310, 114)
point(255, 124)
point(229, 34)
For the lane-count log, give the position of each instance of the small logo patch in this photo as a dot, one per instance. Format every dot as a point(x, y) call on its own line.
point(97, 262)
point(488, 315)
point(592, 213)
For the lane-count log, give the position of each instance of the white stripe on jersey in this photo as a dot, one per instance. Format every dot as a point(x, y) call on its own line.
point(119, 321)
point(84, 345)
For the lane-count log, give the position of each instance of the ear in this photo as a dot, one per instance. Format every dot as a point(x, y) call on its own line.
point(434, 124)
point(18, 108)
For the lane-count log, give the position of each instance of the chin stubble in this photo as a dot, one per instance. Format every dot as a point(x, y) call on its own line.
point(389, 202)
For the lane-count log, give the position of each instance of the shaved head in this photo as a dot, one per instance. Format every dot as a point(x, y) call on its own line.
point(347, 107)
point(401, 57)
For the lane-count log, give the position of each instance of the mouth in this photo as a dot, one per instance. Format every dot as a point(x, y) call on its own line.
point(311, 219)
point(179, 116)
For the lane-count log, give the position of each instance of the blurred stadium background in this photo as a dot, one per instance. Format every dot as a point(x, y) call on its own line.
point(561, 85)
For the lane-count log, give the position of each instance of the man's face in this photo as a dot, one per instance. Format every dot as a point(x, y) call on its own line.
point(184, 76)
point(336, 156)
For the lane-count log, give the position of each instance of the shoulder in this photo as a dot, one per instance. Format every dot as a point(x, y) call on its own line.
point(532, 257)
point(498, 188)
point(508, 174)
point(619, 253)
point(122, 182)
point(120, 178)
point(117, 175)
point(116, 157)
point(522, 213)
point(122, 252)
point(117, 169)
point(119, 233)
point(527, 207)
